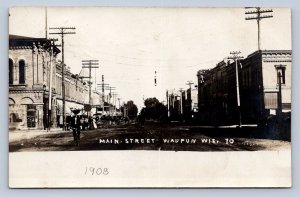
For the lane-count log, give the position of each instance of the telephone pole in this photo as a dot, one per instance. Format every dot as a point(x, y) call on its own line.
point(189, 97)
point(90, 64)
point(190, 83)
point(62, 31)
point(181, 102)
point(103, 85)
point(110, 88)
point(52, 45)
point(279, 70)
point(168, 104)
point(115, 94)
point(258, 14)
point(119, 103)
point(235, 56)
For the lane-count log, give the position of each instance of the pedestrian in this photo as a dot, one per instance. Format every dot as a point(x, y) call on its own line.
point(94, 123)
point(75, 124)
point(86, 122)
point(68, 122)
point(82, 123)
point(60, 121)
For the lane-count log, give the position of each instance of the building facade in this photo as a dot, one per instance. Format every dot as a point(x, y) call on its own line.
point(30, 61)
point(264, 88)
point(33, 71)
point(182, 105)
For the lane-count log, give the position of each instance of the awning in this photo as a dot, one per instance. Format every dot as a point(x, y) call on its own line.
point(68, 107)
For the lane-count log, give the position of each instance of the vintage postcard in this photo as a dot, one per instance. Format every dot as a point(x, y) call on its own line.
point(113, 97)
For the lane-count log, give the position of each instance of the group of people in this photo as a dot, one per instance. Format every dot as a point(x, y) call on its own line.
point(77, 123)
point(107, 120)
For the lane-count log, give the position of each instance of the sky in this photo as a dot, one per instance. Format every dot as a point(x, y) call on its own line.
point(132, 43)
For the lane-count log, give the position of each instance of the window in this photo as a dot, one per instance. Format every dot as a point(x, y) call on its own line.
point(271, 100)
point(11, 71)
point(21, 71)
point(280, 73)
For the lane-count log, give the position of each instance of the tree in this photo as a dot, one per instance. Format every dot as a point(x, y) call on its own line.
point(132, 109)
point(154, 109)
point(151, 102)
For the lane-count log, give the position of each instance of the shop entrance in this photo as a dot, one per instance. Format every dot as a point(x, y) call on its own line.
point(31, 116)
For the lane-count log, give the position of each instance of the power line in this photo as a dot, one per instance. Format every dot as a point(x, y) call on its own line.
point(258, 14)
point(62, 31)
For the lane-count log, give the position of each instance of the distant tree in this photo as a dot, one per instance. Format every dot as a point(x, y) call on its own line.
point(154, 109)
point(151, 102)
point(132, 109)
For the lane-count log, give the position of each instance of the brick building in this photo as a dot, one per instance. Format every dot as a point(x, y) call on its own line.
point(190, 103)
point(182, 105)
point(174, 105)
point(265, 88)
point(31, 61)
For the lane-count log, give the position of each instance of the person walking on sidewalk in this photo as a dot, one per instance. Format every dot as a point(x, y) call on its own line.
point(75, 124)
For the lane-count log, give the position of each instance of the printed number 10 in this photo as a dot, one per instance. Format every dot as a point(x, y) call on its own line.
point(229, 141)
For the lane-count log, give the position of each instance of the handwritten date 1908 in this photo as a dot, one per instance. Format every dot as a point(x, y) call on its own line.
point(96, 171)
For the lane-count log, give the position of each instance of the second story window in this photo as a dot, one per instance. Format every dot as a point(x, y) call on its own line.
point(22, 72)
point(280, 73)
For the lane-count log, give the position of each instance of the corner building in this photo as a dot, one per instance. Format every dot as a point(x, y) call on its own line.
point(264, 85)
point(29, 80)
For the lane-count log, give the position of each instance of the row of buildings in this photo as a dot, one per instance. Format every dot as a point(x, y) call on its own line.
point(35, 85)
point(35, 88)
point(263, 89)
point(182, 104)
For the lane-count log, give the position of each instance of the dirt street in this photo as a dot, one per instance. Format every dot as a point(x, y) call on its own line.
point(132, 137)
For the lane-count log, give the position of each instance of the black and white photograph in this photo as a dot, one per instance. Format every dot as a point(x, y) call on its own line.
point(188, 97)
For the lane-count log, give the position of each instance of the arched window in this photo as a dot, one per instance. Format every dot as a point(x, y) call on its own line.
point(11, 71)
point(21, 71)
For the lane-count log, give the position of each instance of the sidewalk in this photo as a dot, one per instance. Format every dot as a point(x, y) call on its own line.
point(226, 126)
point(16, 135)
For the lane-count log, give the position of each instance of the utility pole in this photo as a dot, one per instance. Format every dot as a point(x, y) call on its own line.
point(52, 45)
point(279, 69)
point(95, 80)
point(258, 14)
point(168, 104)
point(181, 107)
point(62, 31)
point(190, 83)
point(155, 80)
point(103, 86)
point(90, 64)
point(115, 94)
point(119, 102)
point(109, 97)
point(189, 99)
point(46, 23)
point(103, 93)
point(235, 56)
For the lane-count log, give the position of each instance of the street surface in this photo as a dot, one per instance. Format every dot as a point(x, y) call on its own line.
point(152, 136)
